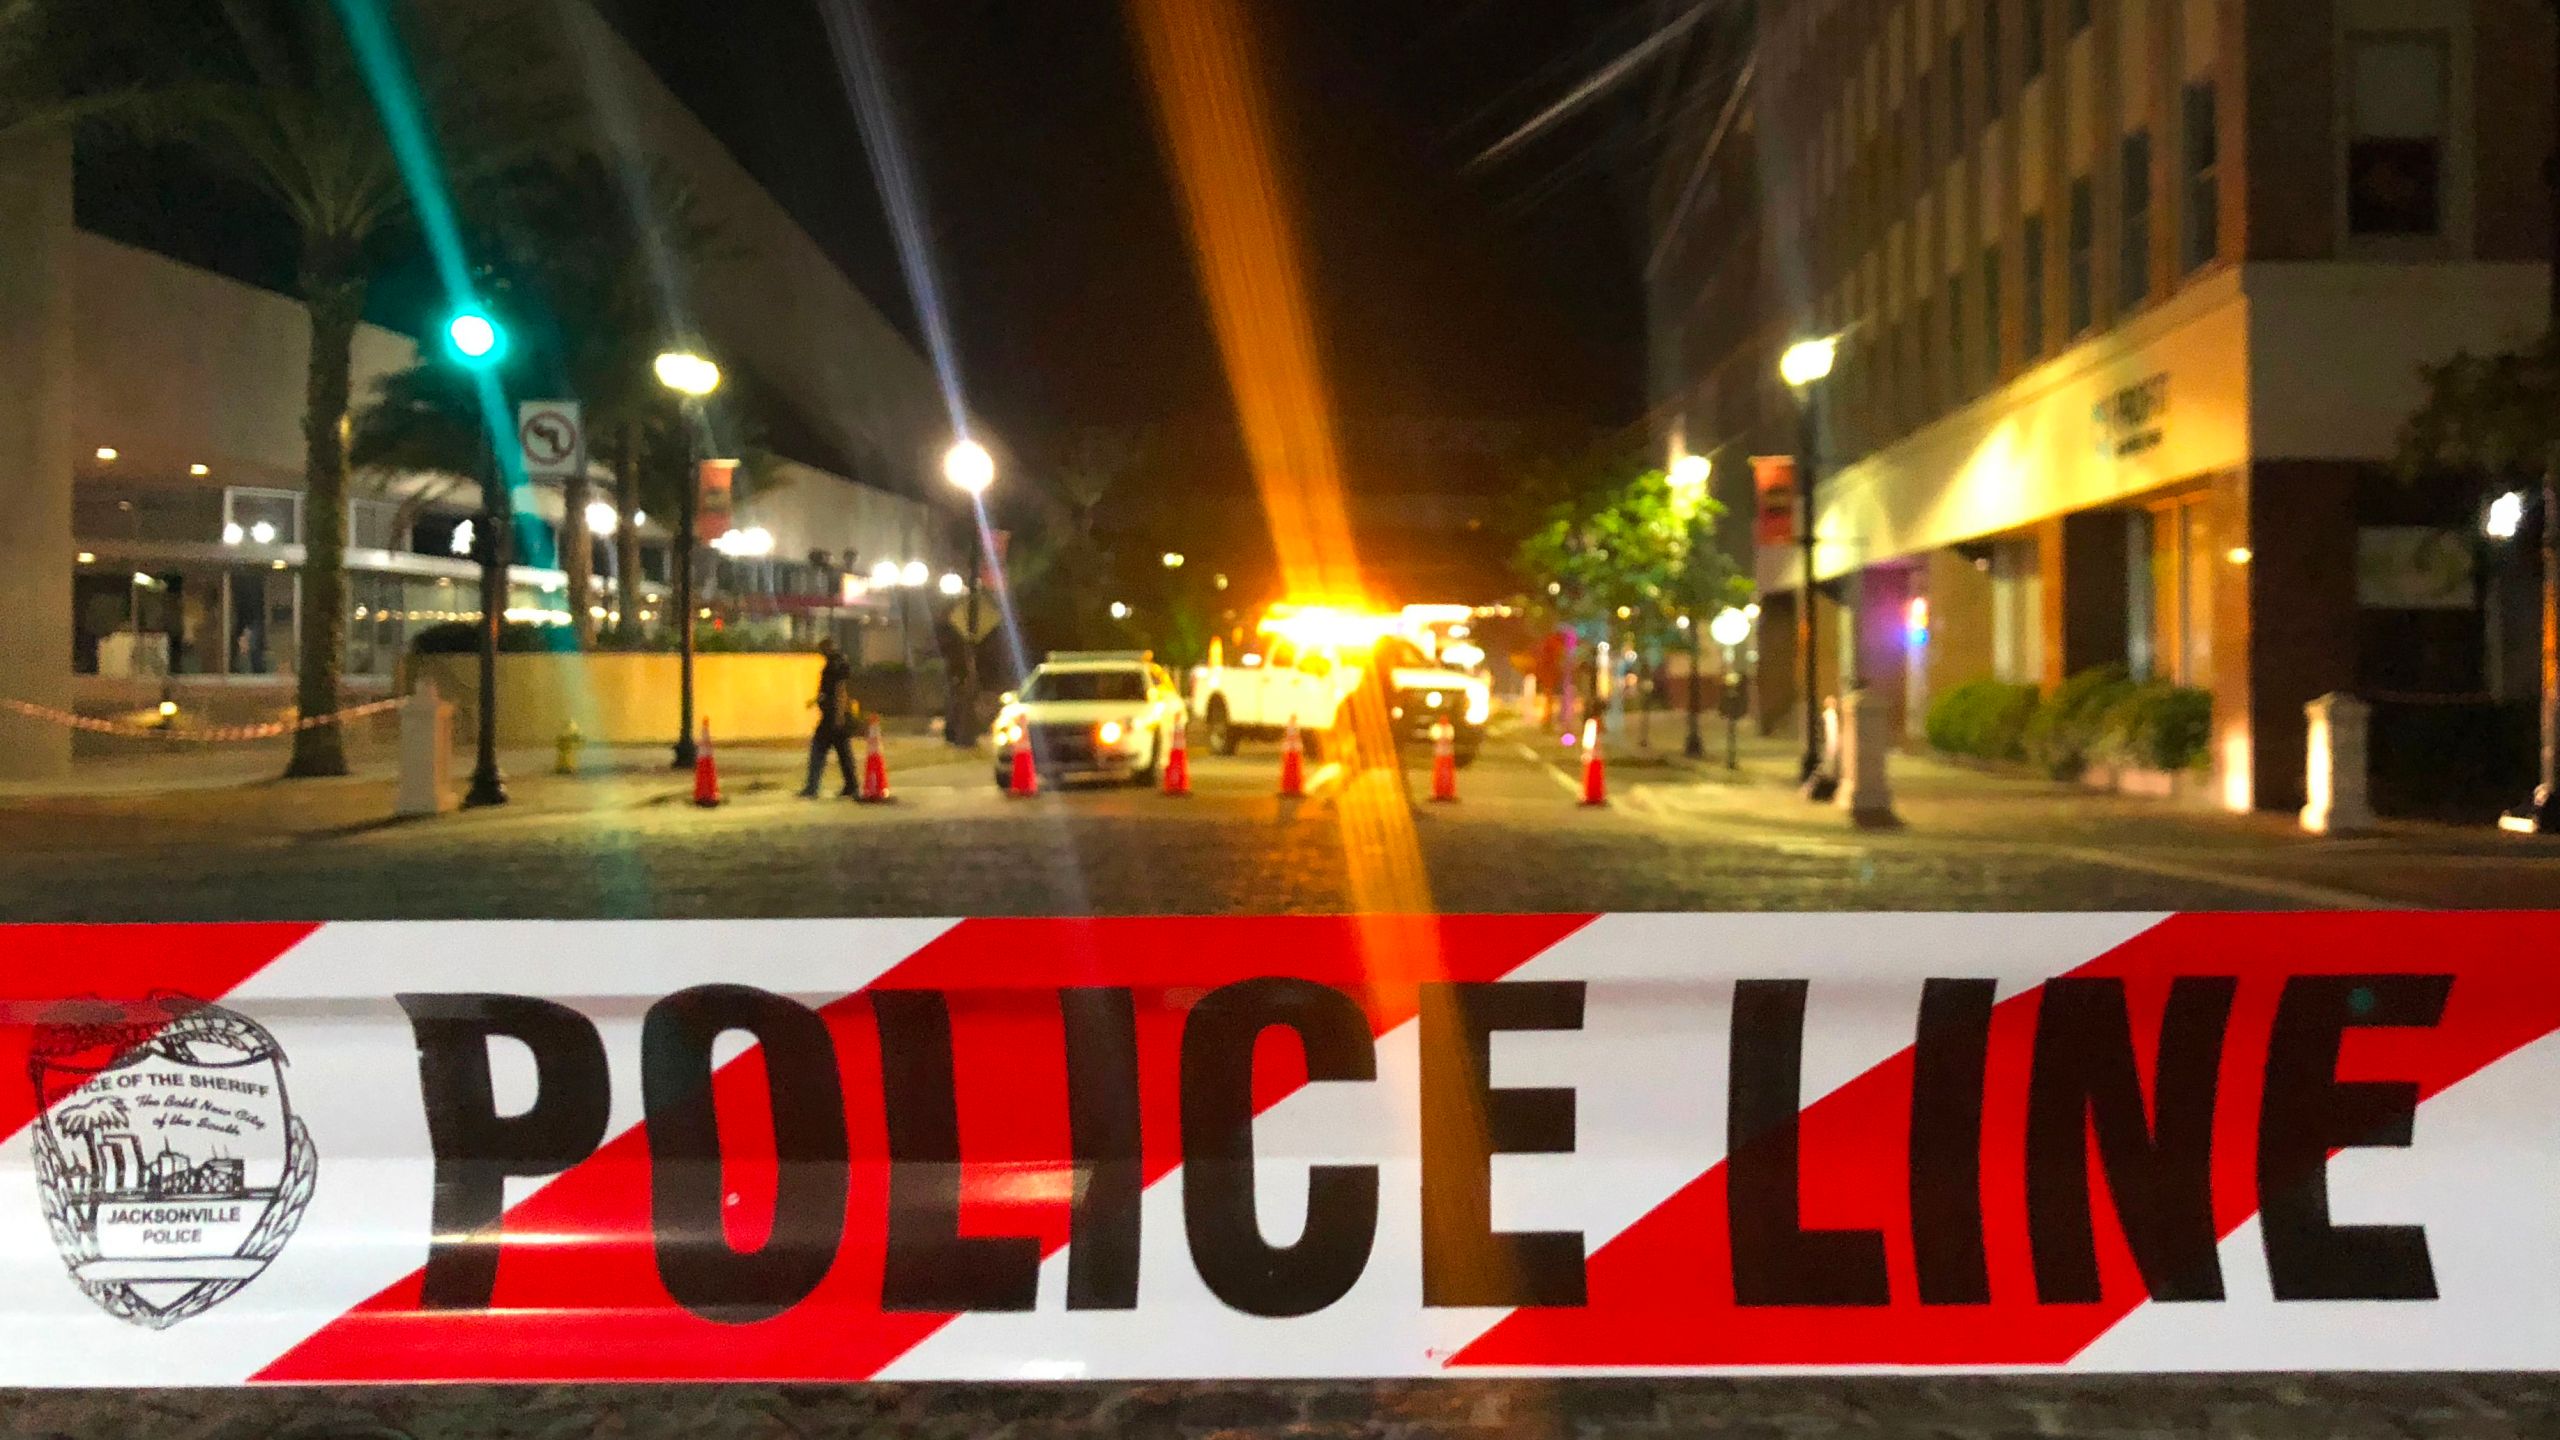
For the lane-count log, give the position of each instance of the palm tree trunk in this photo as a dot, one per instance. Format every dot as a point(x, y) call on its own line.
point(577, 558)
point(626, 536)
point(333, 291)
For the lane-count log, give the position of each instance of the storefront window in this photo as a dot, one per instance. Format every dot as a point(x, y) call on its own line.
point(261, 517)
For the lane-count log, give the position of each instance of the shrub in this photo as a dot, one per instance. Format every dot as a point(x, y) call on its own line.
point(2064, 732)
point(2158, 726)
point(1986, 719)
point(462, 637)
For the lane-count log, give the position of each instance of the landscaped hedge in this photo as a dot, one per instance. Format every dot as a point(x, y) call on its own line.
point(1986, 719)
point(2158, 726)
point(462, 637)
point(2098, 716)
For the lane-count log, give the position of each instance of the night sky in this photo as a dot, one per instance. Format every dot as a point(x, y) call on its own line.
point(1504, 293)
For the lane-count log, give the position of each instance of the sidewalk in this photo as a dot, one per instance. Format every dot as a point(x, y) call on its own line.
point(236, 793)
point(1961, 808)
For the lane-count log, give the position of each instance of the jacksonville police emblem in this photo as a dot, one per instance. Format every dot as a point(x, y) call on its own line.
point(170, 1163)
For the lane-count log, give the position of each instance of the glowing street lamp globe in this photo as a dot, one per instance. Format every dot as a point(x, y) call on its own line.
point(687, 373)
point(1809, 362)
point(1730, 627)
point(969, 466)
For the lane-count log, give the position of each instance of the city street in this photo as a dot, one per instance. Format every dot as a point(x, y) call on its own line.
point(625, 841)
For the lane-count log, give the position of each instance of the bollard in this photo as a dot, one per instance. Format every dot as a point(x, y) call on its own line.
point(1595, 770)
point(571, 744)
point(426, 753)
point(1866, 742)
point(2334, 776)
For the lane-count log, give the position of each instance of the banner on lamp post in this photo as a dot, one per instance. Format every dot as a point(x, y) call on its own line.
point(1773, 480)
point(715, 499)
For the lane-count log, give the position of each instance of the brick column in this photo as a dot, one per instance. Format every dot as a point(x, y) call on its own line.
point(35, 448)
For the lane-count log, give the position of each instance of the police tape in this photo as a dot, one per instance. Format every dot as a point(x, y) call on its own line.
point(204, 734)
point(1261, 1147)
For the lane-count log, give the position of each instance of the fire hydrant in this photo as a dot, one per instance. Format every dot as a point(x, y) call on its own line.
point(571, 743)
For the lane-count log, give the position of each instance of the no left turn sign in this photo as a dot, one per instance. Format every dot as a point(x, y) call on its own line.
point(554, 438)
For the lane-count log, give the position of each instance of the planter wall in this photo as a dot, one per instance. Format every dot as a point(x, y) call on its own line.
point(628, 699)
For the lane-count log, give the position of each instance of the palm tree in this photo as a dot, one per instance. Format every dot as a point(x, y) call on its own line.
point(578, 258)
point(272, 92)
point(87, 1120)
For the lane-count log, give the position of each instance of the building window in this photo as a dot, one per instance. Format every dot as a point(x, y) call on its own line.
point(2083, 279)
point(1955, 96)
point(2017, 613)
point(2142, 659)
point(2075, 16)
point(1993, 356)
point(2204, 187)
point(1992, 70)
point(2133, 274)
point(2031, 288)
point(2396, 134)
point(1959, 379)
point(2031, 41)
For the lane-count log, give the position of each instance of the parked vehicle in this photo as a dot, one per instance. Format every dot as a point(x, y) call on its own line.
point(1105, 714)
point(1305, 666)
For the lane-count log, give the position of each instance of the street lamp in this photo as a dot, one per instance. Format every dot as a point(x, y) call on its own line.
point(690, 378)
point(968, 466)
point(1173, 559)
point(475, 341)
point(2505, 519)
point(1729, 629)
point(1804, 367)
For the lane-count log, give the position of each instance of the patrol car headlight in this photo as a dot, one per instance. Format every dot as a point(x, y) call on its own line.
point(1111, 732)
point(1479, 704)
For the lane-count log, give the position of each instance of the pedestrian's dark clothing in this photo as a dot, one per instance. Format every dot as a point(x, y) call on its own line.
point(834, 730)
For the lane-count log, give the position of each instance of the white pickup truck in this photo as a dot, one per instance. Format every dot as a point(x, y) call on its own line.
point(1289, 675)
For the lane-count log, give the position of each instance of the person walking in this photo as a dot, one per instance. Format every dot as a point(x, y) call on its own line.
point(836, 716)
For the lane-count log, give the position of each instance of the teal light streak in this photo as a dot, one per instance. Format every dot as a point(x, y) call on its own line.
point(395, 98)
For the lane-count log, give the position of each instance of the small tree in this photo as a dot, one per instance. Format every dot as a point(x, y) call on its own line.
point(2497, 418)
point(1631, 558)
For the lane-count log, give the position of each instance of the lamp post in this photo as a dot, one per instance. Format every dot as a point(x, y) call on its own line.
point(968, 466)
point(477, 342)
point(1804, 367)
point(690, 378)
point(1730, 628)
point(1689, 476)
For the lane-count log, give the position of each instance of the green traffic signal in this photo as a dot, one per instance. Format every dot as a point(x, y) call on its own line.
point(475, 339)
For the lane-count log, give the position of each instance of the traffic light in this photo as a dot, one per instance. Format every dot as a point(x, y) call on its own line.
point(475, 339)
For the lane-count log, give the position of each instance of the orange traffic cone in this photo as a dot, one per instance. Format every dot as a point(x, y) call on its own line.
point(1026, 777)
point(875, 768)
point(706, 772)
point(1595, 771)
point(1293, 763)
point(1444, 762)
point(1177, 759)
